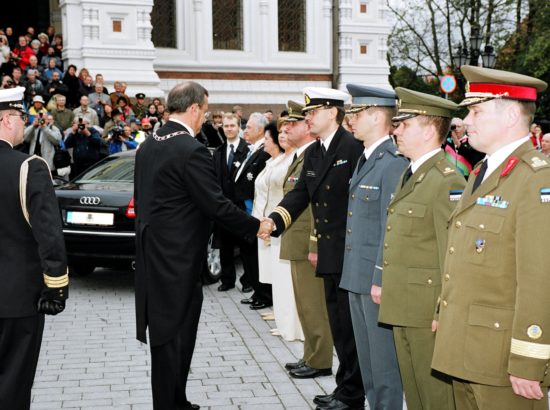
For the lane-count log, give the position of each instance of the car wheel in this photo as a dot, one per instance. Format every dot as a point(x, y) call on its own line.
point(81, 269)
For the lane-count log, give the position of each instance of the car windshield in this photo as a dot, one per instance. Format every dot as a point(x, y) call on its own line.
point(114, 169)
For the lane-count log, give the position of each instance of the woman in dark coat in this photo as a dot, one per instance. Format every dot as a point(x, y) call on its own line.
point(71, 81)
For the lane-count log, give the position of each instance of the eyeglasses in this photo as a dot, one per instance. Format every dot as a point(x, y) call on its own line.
point(24, 117)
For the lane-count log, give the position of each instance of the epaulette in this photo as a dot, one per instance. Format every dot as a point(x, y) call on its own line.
point(445, 167)
point(536, 160)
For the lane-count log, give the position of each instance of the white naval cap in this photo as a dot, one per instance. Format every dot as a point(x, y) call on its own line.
point(12, 99)
point(316, 97)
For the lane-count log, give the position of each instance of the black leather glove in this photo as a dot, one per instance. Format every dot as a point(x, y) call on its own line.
point(52, 301)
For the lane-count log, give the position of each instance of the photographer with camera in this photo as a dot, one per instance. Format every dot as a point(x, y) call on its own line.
point(85, 141)
point(120, 139)
point(43, 136)
point(458, 150)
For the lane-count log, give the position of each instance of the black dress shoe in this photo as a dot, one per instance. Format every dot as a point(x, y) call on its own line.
point(260, 304)
point(248, 301)
point(323, 398)
point(247, 289)
point(189, 407)
point(291, 366)
point(225, 287)
point(336, 404)
point(306, 372)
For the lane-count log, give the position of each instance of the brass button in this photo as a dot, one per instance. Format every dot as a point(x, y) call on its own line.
point(385, 263)
point(410, 211)
point(497, 325)
point(350, 213)
point(447, 276)
point(318, 235)
point(458, 224)
point(479, 250)
point(385, 245)
point(429, 281)
point(445, 303)
point(326, 221)
point(388, 228)
point(327, 187)
point(328, 236)
point(316, 203)
point(392, 210)
point(451, 250)
point(325, 204)
point(317, 220)
point(481, 226)
point(349, 230)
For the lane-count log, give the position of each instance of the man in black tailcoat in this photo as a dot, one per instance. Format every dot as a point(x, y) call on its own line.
point(177, 196)
point(33, 264)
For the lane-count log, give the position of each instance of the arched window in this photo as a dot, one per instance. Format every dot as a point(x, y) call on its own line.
point(163, 19)
point(292, 25)
point(227, 24)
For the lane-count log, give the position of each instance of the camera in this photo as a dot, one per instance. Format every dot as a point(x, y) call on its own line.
point(116, 133)
point(41, 121)
point(81, 125)
point(453, 127)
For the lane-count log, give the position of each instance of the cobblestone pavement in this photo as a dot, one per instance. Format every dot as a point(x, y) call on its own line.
point(90, 358)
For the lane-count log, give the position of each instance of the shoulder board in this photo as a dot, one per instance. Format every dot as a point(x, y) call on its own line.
point(536, 160)
point(445, 167)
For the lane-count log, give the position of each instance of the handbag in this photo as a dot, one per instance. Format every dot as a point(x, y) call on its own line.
point(61, 157)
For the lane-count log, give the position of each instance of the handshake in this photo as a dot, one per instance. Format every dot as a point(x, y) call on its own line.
point(266, 227)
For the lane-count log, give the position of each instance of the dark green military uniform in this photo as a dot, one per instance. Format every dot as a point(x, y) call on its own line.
point(414, 250)
point(494, 319)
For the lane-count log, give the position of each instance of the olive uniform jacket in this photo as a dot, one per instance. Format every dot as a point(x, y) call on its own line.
point(494, 317)
point(416, 242)
point(324, 181)
point(177, 196)
point(32, 248)
point(370, 191)
point(297, 241)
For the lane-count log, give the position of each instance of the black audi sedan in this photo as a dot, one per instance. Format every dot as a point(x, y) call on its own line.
point(97, 209)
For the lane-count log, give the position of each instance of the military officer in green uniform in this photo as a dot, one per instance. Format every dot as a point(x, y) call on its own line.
point(415, 244)
point(493, 334)
point(297, 243)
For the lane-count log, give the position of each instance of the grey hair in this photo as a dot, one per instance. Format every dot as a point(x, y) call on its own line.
point(184, 95)
point(258, 119)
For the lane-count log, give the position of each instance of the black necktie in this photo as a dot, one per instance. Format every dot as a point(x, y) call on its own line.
point(295, 158)
point(480, 175)
point(407, 176)
point(38, 145)
point(231, 157)
point(362, 161)
point(323, 150)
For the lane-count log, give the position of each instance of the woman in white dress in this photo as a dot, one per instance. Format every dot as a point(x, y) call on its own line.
point(268, 192)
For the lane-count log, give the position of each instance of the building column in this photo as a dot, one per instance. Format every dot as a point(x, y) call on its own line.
point(113, 39)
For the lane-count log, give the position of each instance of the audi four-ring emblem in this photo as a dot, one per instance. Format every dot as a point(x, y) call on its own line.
point(90, 200)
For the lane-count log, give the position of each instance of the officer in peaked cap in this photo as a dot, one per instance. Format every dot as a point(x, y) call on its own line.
point(494, 323)
point(139, 107)
point(33, 262)
point(296, 245)
point(415, 243)
point(328, 167)
point(373, 183)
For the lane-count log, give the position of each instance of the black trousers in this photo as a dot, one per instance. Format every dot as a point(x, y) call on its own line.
point(228, 242)
point(249, 253)
point(20, 340)
point(349, 384)
point(170, 362)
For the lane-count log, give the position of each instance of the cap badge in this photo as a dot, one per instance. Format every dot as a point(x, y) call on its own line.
point(307, 99)
point(467, 89)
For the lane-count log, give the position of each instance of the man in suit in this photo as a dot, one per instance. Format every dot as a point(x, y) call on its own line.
point(32, 257)
point(176, 197)
point(297, 243)
point(324, 181)
point(372, 186)
point(227, 158)
point(493, 334)
point(245, 176)
point(415, 244)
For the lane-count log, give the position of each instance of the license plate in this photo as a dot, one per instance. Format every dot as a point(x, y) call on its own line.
point(90, 218)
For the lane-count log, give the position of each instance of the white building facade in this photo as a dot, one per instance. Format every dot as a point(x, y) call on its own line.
point(259, 52)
